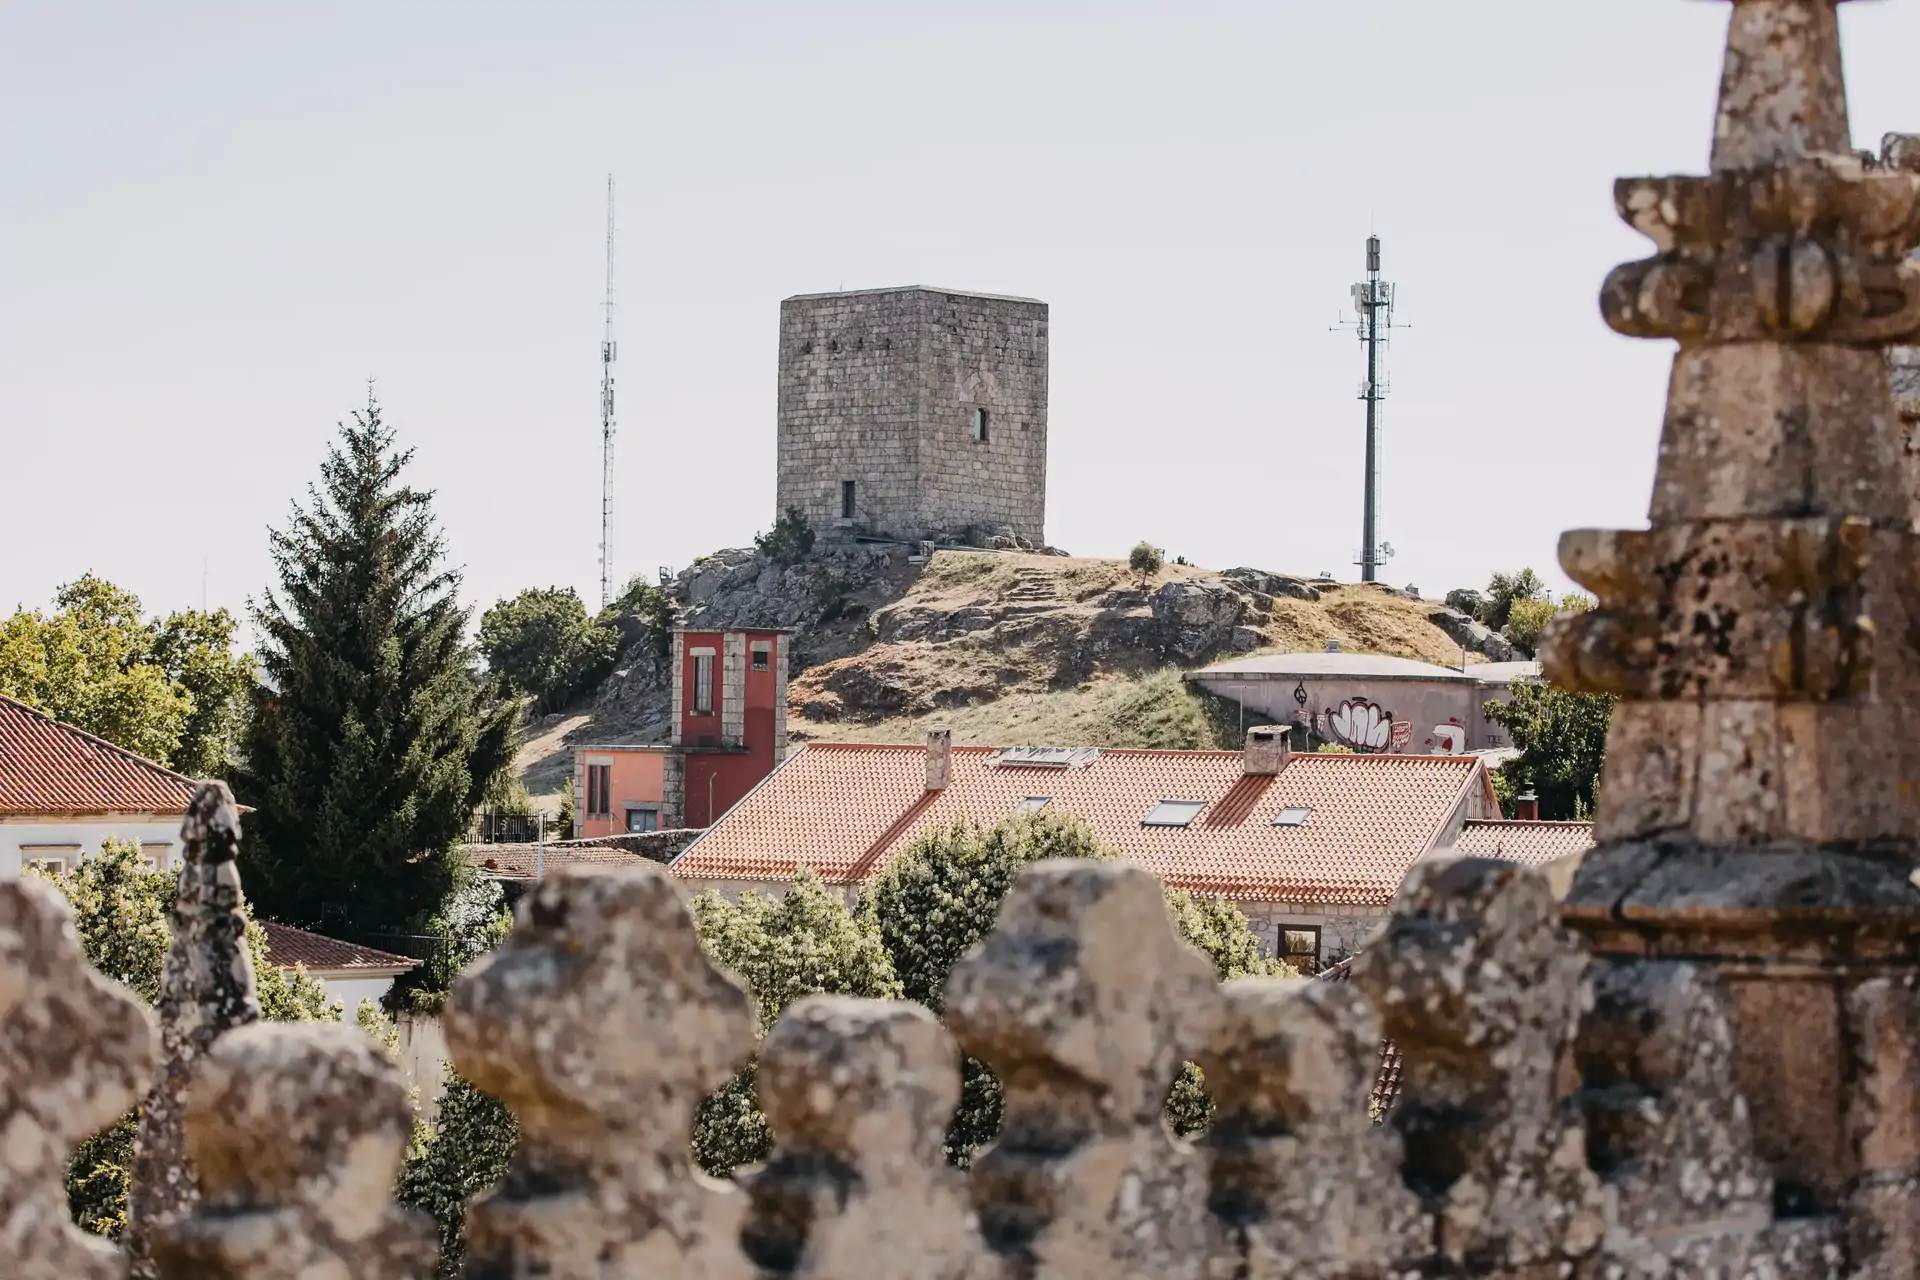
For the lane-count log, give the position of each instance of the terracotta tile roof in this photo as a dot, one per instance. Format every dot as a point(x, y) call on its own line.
point(517, 861)
point(844, 809)
point(1386, 1078)
point(50, 767)
point(1531, 844)
point(288, 946)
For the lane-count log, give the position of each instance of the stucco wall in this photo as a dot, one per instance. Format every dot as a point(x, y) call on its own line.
point(1421, 704)
point(636, 778)
point(157, 835)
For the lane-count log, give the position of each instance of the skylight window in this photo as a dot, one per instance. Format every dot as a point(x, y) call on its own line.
point(1293, 816)
point(1033, 804)
point(1173, 813)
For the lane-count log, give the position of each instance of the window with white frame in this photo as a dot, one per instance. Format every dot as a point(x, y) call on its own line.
point(55, 857)
point(599, 790)
point(703, 683)
point(762, 655)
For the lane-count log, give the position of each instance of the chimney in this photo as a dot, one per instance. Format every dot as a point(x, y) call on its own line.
point(939, 757)
point(1526, 806)
point(1266, 752)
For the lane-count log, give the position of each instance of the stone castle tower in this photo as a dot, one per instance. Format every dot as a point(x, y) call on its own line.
point(915, 413)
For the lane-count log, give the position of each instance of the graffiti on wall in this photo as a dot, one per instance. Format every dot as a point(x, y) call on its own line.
point(1364, 726)
point(1449, 739)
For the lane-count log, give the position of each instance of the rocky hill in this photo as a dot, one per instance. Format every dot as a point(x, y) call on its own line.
point(1004, 646)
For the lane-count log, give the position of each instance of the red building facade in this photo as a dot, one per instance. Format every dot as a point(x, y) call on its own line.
point(730, 719)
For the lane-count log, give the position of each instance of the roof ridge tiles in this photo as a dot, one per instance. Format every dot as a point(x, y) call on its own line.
point(95, 739)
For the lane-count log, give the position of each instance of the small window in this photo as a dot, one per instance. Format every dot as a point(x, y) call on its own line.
point(762, 655)
point(599, 790)
point(643, 820)
point(1033, 804)
point(846, 499)
point(1293, 816)
point(980, 426)
point(1173, 813)
point(703, 684)
point(1300, 947)
point(56, 865)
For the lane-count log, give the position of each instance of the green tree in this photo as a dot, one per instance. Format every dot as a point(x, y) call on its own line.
point(1218, 930)
point(649, 603)
point(466, 1151)
point(789, 541)
point(1505, 588)
point(1562, 738)
point(472, 920)
point(939, 897)
point(169, 689)
point(196, 649)
point(373, 739)
point(1527, 619)
point(121, 912)
point(543, 644)
point(804, 942)
point(1146, 560)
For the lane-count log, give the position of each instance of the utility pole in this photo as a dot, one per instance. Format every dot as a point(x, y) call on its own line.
point(1373, 304)
point(608, 350)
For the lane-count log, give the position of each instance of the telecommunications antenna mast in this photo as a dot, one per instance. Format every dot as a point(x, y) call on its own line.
point(608, 350)
point(1373, 305)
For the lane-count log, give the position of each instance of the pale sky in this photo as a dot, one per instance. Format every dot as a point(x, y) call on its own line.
point(217, 220)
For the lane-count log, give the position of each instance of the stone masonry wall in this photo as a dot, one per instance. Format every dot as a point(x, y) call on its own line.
point(878, 387)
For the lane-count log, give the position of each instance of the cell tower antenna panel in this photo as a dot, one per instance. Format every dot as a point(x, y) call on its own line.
point(1373, 306)
point(608, 351)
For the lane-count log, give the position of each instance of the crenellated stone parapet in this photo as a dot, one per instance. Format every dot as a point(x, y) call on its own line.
point(1555, 1119)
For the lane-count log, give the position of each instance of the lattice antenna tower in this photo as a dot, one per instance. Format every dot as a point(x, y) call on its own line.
point(609, 350)
point(1373, 307)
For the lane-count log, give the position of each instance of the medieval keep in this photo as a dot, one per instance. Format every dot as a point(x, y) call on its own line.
point(915, 413)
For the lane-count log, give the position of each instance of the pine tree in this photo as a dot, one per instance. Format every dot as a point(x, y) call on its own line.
point(372, 737)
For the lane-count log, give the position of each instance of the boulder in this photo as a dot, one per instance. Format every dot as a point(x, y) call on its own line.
point(1198, 616)
point(1475, 636)
point(1272, 584)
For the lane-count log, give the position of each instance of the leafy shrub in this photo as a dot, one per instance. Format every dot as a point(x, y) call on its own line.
point(1146, 560)
point(122, 912)
point(467, 1150)
point(804, 942)
point(649, 603)
point(542, 644)
point(1562, 738)
point(939, 897)
point(789, 541)
point(1505, 588)
point(1218, 930)
point(1527, 620)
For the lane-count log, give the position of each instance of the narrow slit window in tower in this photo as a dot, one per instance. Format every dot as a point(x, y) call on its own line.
point(846, 499)
point(980, 426)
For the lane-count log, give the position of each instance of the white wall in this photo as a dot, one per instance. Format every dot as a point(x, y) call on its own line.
point(87, 834)
point(351, 991)
point(423, 1057)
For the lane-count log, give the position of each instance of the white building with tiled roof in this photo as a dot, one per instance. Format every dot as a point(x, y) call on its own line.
point(350, 972)
point(64, 791)
point(1312, 847)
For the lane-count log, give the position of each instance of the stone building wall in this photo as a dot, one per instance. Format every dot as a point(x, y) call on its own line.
point(879, 388)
